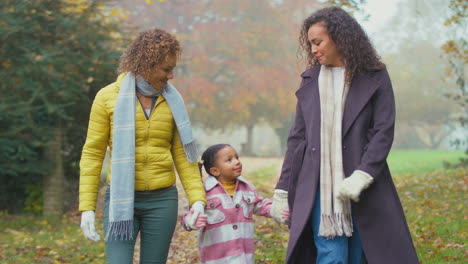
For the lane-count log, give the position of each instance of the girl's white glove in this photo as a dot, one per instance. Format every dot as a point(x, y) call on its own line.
point(351, 187)
point(198, 208)
point(279, 205)
point(87, 225)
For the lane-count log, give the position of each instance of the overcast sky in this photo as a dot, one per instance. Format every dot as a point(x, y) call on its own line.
point(380, 12)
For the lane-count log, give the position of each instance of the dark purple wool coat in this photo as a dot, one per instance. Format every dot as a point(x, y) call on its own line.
point(368, 128)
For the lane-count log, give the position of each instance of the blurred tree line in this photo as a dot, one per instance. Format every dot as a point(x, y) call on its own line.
point(240, 67)
point(234, 72)
point(54, 56)
point(456, 53)
point(428, 71)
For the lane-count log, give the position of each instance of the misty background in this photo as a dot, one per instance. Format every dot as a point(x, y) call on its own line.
point(240, 68)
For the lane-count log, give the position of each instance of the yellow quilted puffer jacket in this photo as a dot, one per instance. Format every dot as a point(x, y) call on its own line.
point(157, 149)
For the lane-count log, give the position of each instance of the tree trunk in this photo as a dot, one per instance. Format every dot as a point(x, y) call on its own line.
point(54, 180)
point(247, 147)
point(283, 133)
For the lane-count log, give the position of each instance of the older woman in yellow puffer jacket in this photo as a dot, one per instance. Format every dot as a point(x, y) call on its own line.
point(143, 121)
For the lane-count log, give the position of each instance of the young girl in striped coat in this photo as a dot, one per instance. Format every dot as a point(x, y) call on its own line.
point(227, 227)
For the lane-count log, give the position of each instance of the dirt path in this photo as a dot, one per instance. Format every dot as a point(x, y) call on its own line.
point(184, 247)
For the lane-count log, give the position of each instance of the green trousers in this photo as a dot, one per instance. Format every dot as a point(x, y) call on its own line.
point(155, 217)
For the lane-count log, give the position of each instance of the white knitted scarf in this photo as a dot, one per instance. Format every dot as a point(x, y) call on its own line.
point(335, 213)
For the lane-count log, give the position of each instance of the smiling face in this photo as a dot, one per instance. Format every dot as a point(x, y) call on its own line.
point(323, 47)
point(227, 166)
point(161, 73)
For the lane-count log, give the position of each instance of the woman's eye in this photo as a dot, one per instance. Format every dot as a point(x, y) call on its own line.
point(315, 42)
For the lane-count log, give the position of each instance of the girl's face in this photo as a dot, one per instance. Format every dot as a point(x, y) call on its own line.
point(323, 47)
point(161, 73)
point(227, 165)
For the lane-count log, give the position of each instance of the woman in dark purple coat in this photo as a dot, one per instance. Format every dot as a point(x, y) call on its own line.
point(335, 178)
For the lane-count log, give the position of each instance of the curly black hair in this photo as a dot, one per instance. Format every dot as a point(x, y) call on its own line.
point(352, 43)
point(150, 48)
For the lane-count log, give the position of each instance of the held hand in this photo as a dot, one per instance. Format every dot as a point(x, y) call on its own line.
point(279, 205)
point(285, 214)
point(351, 187)
point(201, 221)
point(198, 208)
point(87, 225)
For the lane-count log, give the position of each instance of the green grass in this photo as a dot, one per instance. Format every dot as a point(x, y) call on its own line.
point(32, 239)
point(420, 161)
point(434, 204)
point(270, 238)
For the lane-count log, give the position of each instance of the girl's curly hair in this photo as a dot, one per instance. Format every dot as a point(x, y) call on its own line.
point(149, 49)
point(353, 44)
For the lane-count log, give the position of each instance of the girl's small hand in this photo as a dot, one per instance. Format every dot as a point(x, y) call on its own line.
point(285, 214)
point(201, 221)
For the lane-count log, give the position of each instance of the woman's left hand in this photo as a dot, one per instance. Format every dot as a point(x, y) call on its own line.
point(279, 205)
point(351, 187)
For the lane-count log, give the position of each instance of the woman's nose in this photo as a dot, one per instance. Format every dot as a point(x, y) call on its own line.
point(314, 49)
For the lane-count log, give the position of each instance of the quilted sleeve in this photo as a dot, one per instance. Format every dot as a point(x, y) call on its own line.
point(189, 173)
point(93, 153)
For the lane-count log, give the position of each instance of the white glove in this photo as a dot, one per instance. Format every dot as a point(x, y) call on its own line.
point(87, 225)
point(351, 187)
point(279, 204)
point(198, 208)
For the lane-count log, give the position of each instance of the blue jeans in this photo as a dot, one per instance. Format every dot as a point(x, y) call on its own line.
point(155, 217)
point(338, 250)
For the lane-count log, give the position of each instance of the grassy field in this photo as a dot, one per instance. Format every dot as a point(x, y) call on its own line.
point(417, 161)
point(433, 198)
point(28, 239)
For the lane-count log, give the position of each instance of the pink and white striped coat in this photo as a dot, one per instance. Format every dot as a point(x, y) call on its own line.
point(228, 236)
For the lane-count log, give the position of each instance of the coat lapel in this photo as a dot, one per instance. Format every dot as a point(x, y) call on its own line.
point(308, 96)
point(361, 90)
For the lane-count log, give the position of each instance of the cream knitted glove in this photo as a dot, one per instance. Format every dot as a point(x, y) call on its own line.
point(351, 187)
point(87, 225)
point(279, 205)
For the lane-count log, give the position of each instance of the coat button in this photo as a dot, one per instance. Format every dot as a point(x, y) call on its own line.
point(212, 205)
point(237, 205)
point(234, 227)
point(313, 149)
point(344, 147)
point(248, 200)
